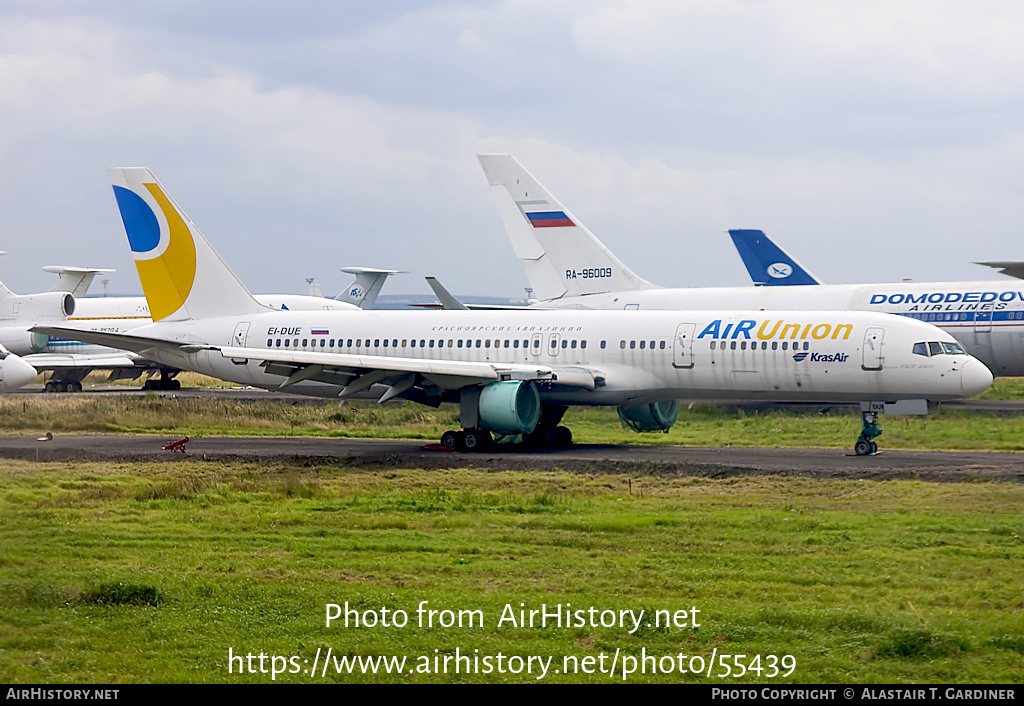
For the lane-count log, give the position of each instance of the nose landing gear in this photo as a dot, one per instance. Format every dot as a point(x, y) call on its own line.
point(865, 445)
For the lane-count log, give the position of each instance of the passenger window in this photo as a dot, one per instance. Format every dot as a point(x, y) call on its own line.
point(270, 342)
point(732, 345)
point(303, 342)
point(286, 342)
point(743, 345)
point(775, 345)
point(632, 345)
point(785, 345)
point(643, 344)
point(583, 344)
point(713, 345)
point(921, 349)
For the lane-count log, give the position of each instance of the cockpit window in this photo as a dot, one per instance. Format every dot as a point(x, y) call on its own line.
point(937, 348)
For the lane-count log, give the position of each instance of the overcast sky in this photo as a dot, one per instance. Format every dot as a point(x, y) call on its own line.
point(875, 139)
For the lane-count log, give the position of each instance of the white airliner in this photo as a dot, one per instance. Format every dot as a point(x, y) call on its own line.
point(568, 267)
point(513, 372)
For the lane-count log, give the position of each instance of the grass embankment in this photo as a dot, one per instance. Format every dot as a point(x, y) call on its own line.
point(151, 573)
point(700, 426)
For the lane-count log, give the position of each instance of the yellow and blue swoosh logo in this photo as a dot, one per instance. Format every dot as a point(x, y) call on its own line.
point(167, 277)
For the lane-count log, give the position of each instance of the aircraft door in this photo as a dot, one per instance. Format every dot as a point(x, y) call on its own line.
point(983, 320)
point(872, 357)
point(241, 333)
point(682, 348)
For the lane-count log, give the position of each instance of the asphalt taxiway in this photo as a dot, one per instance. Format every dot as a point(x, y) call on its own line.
point(717, 462)
point(587, 458)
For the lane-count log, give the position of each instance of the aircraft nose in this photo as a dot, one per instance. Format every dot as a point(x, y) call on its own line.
point(15, 373)
point(975, 378)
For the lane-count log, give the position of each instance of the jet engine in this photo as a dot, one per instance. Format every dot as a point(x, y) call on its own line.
point(657, 416)
point(20, 341)
point(509, 407)
point(37, 307)
point(14, 372)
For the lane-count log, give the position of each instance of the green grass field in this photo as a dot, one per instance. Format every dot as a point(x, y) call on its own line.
point(701, 426)
point(153, 572)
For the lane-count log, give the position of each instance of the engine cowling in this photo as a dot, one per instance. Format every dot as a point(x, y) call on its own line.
point(37, 307)
point(14, 372)
point(509, 407)
point(657, 416)
point(20, 341)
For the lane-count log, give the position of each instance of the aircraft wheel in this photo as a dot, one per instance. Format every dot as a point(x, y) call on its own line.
point(473, 440)
point(450, 439)
point(174, 384)
point(51, 386)
point(74, 386)
point(862, 448)
point(563, 436)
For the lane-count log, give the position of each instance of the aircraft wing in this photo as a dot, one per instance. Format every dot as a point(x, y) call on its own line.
point(356, 373)
point(100, 361)
point(1013, 269)
point(125, 341)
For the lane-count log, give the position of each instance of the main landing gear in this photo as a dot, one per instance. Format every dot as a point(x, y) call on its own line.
point(166, 381)
point(548, 433)
point(63, 386)
point(865, 445)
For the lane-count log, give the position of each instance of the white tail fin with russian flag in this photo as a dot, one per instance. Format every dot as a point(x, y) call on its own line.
point(561, 257)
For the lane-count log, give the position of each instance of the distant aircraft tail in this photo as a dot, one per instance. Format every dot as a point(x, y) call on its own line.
point(76, 280)
point(767, 263)
point(366, 286)
point(561, 257)
point(182, 276)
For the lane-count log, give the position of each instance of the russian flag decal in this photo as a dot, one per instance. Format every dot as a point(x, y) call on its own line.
point(549, 219)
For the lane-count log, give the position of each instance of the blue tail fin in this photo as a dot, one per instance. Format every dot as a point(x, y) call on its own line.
point(767, 263)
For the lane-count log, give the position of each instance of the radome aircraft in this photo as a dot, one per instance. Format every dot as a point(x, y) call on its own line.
point(513, 372)
point(568, 267)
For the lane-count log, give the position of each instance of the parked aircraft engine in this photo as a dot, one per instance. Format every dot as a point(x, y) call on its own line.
point(657, 416)
point(21, 341)
point(14, 372)
point(48, 305)
point(509, 407)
